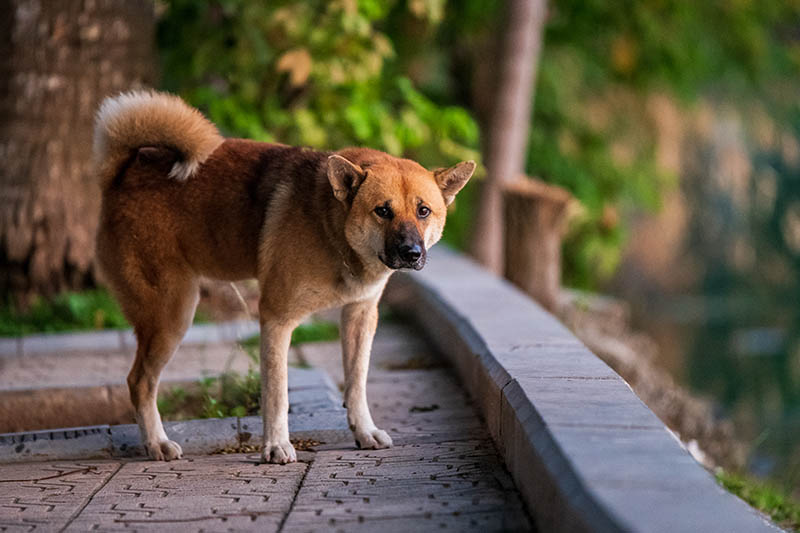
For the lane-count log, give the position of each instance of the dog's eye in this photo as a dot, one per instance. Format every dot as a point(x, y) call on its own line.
point(423, 211)
point(384, 211)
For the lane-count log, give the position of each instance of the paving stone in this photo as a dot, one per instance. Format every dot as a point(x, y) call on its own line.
point(708, 509)
point(634, 458)
point(552, 362)
point(237, 330)
point(309, 378)
point(10, 348)
point(70, 443)
point(215, 493)
point(573, 434)
point(204, 436)
point(46, 495)
point(588, 402)
point(203, 334)
point(459, 484)
point(329, 426)
point(326, 356)
point(96, 341)
point(82, 369)
point(443, 473)
point(313, 400)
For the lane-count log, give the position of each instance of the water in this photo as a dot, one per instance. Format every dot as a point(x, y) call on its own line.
point(733, 333)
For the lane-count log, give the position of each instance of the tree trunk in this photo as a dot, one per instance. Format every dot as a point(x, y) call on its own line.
point(535, 216)
point(58, 60)
point(508, 131)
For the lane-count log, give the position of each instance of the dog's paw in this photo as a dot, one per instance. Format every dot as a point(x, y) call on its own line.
point(373, 439)
point(165, 450)
point(278, 453)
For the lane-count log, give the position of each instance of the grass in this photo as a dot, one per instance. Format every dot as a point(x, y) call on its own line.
point(69, 311)
point(764, 496)
point(233, 394)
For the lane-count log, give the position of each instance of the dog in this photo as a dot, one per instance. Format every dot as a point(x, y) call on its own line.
point(316, 229)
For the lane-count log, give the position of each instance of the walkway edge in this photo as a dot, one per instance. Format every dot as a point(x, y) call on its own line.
point(120, 340)
point(315, 414)
point(584, 451)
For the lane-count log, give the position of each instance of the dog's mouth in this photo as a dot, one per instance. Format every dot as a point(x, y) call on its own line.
point(396, 263)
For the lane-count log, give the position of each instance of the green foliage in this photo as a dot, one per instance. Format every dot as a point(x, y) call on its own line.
point(308, 73)
point(767, 498)
point(683, 46)
point(592, 130)
point(229, 395)
point(398, 76)
point(237, 396)
point(69, 311)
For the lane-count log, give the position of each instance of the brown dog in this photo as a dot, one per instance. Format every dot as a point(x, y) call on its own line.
point(316, 229)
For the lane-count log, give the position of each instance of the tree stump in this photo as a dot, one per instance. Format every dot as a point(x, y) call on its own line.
point(535, 219)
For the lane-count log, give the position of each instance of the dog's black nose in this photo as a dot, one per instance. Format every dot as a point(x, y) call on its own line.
point(409, 253)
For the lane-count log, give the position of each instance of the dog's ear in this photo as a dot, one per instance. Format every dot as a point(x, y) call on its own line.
point(451, 180)
point(345, 178)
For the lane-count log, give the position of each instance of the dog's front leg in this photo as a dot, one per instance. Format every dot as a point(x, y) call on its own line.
point(275, 339)
point(359, 321)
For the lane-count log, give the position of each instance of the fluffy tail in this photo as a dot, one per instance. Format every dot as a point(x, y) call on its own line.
point(147, 118)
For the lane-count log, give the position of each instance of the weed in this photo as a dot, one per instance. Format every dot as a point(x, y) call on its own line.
point(764, 496)
point(233, 394)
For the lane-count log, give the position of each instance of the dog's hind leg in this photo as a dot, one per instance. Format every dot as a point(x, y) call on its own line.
point(158, 334)
point(359, 321)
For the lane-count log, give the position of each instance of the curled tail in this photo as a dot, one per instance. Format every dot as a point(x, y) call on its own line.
point(148, 118)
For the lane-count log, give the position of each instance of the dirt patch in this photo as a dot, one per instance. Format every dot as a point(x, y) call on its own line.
point(300, 445)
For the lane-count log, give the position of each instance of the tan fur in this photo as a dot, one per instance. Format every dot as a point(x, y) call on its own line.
point(311, 226)
point(147, 118)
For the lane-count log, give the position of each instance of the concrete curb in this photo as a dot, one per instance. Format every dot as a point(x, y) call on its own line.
point(315, 413)
point(120, 340)
point(585, 452)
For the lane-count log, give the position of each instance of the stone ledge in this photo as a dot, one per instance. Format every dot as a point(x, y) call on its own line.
point(585, 452)
point(315, 413)
point(119, 340)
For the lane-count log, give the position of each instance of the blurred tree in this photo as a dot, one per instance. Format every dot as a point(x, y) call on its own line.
point(309, 73)
point(400, 75)
point(508, 129)
point(58, 60)
point(593, 131)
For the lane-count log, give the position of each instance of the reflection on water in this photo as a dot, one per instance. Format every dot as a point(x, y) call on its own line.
point(743, 352)
point(733, 333)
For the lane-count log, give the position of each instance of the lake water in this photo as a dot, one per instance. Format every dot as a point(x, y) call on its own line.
point(734, 333)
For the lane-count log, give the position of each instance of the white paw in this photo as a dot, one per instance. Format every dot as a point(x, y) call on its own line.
point(372, 439)
point(278, 452)
point(165, 450)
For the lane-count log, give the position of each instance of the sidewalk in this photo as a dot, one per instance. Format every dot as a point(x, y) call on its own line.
point(443, 472)
point(78, 379)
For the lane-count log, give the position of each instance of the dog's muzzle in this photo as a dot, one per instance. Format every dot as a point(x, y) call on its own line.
point(406, 250)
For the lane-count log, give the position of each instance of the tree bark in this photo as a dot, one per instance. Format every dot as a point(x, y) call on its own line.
point(510, 121)
point(58, 60)
point(535, 219)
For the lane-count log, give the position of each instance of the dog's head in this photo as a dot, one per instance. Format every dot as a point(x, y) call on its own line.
point(396, 209)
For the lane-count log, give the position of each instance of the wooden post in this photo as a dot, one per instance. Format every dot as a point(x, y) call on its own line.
point(507, 139)
point(535, 219)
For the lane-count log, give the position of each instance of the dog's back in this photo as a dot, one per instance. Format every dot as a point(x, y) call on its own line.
point(180, 198)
